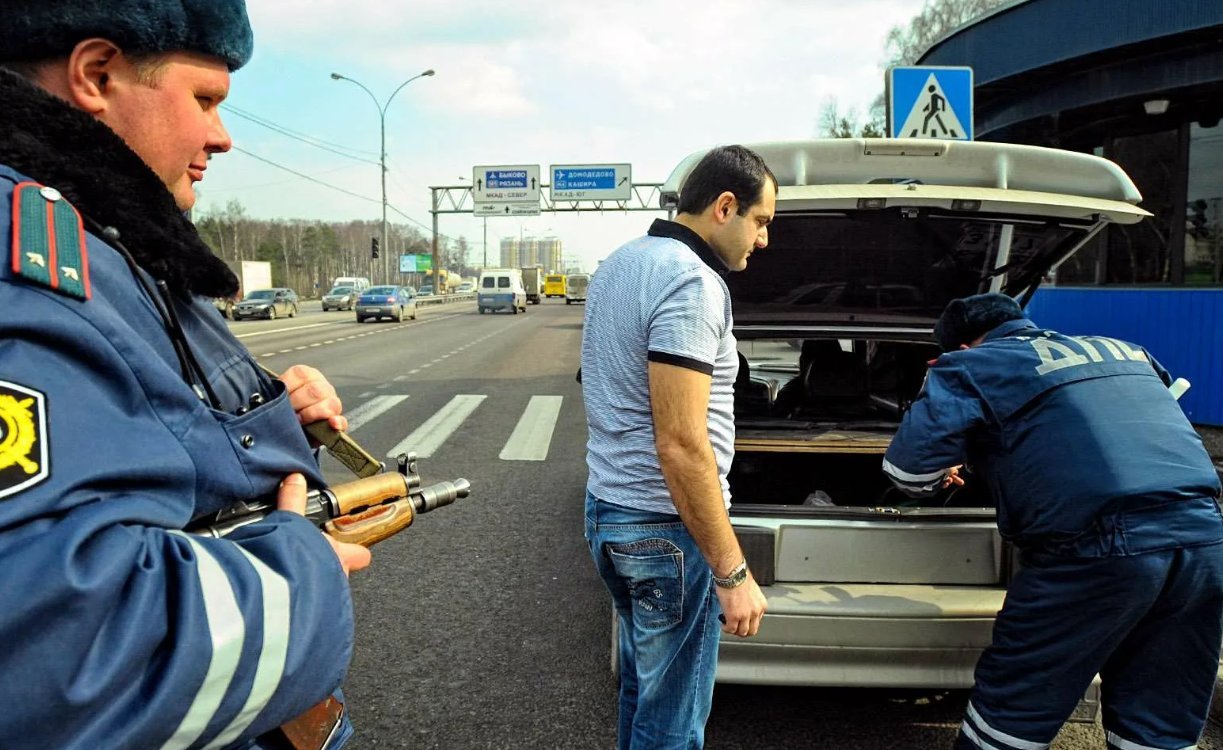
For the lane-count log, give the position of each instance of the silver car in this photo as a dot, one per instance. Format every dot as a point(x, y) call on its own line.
point(340, 298)
point(871, 239)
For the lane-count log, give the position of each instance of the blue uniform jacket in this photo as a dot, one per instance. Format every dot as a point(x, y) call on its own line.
point(119, 630)
point(1084, 449)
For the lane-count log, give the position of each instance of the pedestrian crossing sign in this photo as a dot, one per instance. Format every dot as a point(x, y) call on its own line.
point(930, 102)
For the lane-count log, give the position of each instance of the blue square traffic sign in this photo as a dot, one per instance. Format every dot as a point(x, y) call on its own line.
point(930, 102)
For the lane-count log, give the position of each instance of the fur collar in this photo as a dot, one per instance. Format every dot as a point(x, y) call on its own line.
point(95, 170)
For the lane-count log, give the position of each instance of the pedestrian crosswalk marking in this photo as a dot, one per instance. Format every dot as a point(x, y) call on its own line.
point(429, 436)
point(533, 435)
point(372, 409)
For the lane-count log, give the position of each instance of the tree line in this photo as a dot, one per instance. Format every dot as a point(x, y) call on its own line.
point(306, 255)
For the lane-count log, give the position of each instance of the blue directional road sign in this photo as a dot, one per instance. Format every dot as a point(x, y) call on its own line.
point(509, 184)
point(930, 102)
point(592, 182)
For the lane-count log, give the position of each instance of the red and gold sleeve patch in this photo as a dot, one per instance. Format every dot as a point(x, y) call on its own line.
point(24, 457)
point(48, 244)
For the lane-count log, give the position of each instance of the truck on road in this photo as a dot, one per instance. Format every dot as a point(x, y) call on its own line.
point(533, 282)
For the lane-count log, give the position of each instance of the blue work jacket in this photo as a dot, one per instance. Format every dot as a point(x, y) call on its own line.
point(119, 629)
point(1084, 449)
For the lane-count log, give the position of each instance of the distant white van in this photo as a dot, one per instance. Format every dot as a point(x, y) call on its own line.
point(575, 287)
point(501, 289)
point(358, 283)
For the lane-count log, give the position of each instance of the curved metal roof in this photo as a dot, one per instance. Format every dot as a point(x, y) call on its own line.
point(1039, 33)
point(1047, 57)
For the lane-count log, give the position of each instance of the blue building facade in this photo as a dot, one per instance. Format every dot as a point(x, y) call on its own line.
point(1139, 82)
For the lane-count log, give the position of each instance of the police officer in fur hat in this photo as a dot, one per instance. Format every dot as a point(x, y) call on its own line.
point(1108, 493)
point(127, 409)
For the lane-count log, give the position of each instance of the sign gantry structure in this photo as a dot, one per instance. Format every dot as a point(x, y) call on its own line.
point(516, 190)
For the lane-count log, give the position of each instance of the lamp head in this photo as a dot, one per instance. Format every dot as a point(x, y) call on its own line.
point(428, 72)
point(336, 76)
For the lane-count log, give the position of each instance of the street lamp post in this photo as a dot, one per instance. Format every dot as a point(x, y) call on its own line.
point(382, 160)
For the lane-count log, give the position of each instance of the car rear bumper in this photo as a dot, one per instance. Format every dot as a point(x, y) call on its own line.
point(865, 635)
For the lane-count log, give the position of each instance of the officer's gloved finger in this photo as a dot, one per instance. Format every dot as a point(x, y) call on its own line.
point(292, 494)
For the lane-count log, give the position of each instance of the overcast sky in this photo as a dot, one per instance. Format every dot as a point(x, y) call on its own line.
point(529, 82)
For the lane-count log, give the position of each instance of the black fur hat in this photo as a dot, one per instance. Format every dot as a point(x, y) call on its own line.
point(969, 317)
point(34, 30)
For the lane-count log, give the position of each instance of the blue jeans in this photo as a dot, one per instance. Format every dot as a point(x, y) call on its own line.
point(662, 590)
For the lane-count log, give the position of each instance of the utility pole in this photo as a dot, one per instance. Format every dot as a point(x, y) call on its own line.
point(382, 151)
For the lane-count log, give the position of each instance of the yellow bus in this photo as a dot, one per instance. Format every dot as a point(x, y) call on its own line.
point(554, 285)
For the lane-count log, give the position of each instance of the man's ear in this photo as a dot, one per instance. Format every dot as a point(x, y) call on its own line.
point(91, 70)
point(724, 207)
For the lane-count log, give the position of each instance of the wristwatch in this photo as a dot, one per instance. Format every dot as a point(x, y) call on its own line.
point(734, 578)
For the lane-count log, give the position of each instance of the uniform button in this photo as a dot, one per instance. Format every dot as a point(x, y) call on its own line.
point(248, 441)
point(50, 194)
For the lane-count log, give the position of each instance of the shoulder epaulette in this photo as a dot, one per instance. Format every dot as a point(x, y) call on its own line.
point(49, 240)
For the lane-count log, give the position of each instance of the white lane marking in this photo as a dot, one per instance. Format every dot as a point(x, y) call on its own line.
point(372, 409)
point(367, 394)
point(285, 351)
point(298, 348)
point(429, 436)
point(413, 372)
point(269, 354)
point(291, 329)
point(400, 378)
point(533, 435)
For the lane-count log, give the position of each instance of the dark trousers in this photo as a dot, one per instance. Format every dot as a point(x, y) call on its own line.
point(1149, 624)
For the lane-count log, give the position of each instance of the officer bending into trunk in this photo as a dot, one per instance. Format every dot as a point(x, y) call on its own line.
point(1106, 490)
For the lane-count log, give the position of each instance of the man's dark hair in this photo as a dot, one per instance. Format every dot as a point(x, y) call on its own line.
point(733, 169)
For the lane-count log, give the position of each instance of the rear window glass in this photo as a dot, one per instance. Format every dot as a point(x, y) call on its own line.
point(878, 261)
point(503, 282)
point(488, 282)
point(380, 290)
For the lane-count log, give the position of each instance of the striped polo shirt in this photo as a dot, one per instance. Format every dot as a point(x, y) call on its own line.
point(659, 298)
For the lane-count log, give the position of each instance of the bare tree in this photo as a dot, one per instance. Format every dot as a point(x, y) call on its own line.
point(905, 44)
point(833, 123)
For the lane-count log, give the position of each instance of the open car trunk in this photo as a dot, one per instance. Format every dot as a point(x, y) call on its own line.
point(810, 501)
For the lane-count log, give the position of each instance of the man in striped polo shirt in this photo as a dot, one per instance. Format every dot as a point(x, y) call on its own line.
point(659, 361)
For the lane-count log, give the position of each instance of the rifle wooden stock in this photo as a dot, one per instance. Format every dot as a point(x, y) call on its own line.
point(361, 493)
point(371, 526)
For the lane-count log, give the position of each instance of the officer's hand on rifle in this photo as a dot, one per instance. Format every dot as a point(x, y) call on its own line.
point(313, 397)
point(292, 498)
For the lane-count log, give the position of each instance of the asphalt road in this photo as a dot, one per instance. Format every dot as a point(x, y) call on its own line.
point(483, 625)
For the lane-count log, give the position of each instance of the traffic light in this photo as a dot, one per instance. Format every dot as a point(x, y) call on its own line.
point(373, 247)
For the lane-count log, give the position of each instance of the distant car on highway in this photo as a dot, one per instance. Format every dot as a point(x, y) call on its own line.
point(426, 290)
point(267, 303)
point(340, 298)
point(466, 287)
point(394, 302)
